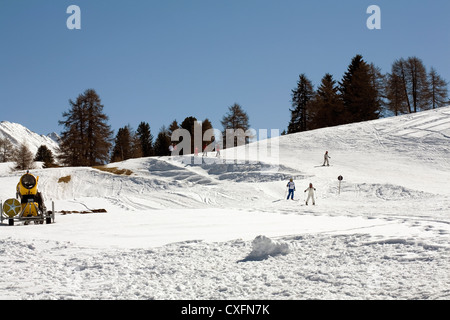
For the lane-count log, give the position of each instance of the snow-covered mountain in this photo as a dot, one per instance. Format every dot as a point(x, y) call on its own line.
point(17, 134)
point(175, 229)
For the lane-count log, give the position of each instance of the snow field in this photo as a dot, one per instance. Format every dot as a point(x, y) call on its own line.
point(225, 231)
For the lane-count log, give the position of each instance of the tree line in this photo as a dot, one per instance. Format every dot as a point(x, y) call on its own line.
point(22, 157)
point(87, 138)
point(364, 93)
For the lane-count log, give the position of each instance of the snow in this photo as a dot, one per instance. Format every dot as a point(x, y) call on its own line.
point(176, 231)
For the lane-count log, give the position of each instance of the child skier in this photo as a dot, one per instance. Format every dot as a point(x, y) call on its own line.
point(326, 157)
point(291, 186)
point(310, 191)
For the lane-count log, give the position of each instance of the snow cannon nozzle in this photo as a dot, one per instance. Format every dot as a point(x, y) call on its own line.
point(28, 181)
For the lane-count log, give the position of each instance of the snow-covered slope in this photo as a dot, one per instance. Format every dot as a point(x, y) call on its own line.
point(17, 134)
point(180, 230)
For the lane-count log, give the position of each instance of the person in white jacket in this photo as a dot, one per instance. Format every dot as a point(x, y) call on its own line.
point(291, 187)
point(310, 191)
point(326, 158)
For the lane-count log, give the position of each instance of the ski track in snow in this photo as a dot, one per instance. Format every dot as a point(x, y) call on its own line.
point(189, 231)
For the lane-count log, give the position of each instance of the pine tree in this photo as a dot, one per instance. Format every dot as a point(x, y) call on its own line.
point(359, 95)
point(163, 142)
point(206, 125)
point(235, 119)
point(326, 107)
point(173, 126)
point(86, 139)
point(189, 123)
point(145, 138)
point(45, 155)
point(301, 103)
point(438, 89)
point(123, 145)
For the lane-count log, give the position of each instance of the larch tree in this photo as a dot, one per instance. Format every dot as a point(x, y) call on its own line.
point(438, 90)
point(236, 122)
point(86, 138)
point(23, 157)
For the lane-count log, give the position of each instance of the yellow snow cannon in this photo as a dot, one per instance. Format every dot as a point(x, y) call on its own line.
point(31, 199)
point(31, 205)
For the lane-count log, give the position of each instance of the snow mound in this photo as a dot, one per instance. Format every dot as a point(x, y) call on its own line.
point(264, 247)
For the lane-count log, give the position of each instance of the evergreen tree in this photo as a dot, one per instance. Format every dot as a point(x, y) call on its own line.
point(145, 138)
point(189, 123)
point(235, 119)
point(45, 155)
point(173, 126)
point(163, 142)
point(359, 95)
point(438, 89)
point(207, 125)
point(301, 103)
point(86, 139)
point(326, 107)
point(123, 145)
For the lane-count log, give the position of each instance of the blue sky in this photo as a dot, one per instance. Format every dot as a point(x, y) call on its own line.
point(161, 60)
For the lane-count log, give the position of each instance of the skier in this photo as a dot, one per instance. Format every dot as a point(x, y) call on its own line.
point(218, 151)
point(310, 190)
point(326, 157)
point(291, 186)
point(205, 152)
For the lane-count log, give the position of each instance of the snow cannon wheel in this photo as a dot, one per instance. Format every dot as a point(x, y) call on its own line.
point(48, 220)
point(12, 208)
point(11, 222)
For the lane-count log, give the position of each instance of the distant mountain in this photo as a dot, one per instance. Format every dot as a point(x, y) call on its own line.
point(17, 134)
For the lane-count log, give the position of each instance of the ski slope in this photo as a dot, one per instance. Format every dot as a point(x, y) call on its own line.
point(179, 230)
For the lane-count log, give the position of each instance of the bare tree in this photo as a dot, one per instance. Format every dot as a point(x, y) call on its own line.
point(413, 81)
point(23, 157)
point(235, 120)
point(87, 137)
point(395, 94)
point(6, 150)
point(438, 89)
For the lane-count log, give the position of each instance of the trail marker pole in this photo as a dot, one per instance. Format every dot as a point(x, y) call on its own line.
point(340, 178)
